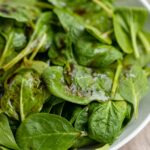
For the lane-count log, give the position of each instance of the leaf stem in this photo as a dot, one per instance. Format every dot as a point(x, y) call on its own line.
point(147, 71)
point(7, 48)
point(144, 41)
point(108, 10)
point(116, 79)
point(134, 43)
point(24, 52)
point(21, 102)
point(38, 47)
point(44, 5)
point(34, 45)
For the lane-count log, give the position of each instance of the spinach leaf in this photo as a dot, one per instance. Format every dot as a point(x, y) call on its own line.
point(37, 41)
point(145, 40)
point(91, 13)
point(105, 147)
point(127, 23)
point(81, 119)
point(46, 131)
point(102, 37)
point(80, 123)
point(3, 148)
point(37, 66)
point(133, 85)
point(51, 103)
point(24, 95)
point(6, 136)
point(2, 44)
point(15, 40)
point(19, 10)
point(106, 119)
point(61, 51)
point(70, 22)
point(56, 105)
point(91, 53)
point(74, 24)
point(79, 85)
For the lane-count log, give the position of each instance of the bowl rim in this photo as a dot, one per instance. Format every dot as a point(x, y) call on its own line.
point(133, 134)
point(146, 120)
point(146, 4)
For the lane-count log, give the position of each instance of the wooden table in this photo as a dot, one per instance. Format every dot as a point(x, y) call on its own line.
point(140, 142)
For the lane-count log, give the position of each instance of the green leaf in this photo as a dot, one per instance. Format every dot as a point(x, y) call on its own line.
point(19, 10)
point(2, 44)
point(106, 119)
point(3, 148)
point(80, 123)
point(127, 23)
point(52, 104)
point(37, 40)
point(61, 51)
point(15, 39)
point(145, 40)
point(6, 136)
point(83, 87)
point(133, 86)
point(89, 15)
point(24, 95)
point(102, 37)
point(90, 52)
point(37, 66)
point(81, 119)
point(70, 22)
point(46, 131)
point(105, 147)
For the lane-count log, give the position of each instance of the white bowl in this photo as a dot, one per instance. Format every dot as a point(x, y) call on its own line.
point(136, 125)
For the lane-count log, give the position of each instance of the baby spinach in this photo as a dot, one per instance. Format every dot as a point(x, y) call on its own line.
point(80, 123)
point(130, 85)
point(15, 40)
point(3, 148)
point(70, 22)
point(61, 51)
point(90, 52)
point(127, 23)
point(18, 10)
point(24, 95)
point(83, 87)
point(105, 147)
point(37, 40)
point(6, 136)
point(46, 131)
point(68, 74)
point(145, 39)
point(81, 119)
point(52, 104)
point(106, 119)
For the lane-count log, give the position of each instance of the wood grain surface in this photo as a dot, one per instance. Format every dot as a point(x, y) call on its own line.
point(140, 142)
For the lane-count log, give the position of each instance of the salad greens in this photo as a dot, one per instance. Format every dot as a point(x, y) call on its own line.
point(72, 73)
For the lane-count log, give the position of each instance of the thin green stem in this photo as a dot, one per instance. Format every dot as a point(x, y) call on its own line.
point(34, 45)
point(21, 102)
point(134, 42)
point(108, 10)
point(116, 79)
point(44, 5)
point(147, 71)
point(144, 41)
point(6, 49)
point(24, 52)
point(38, 47)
